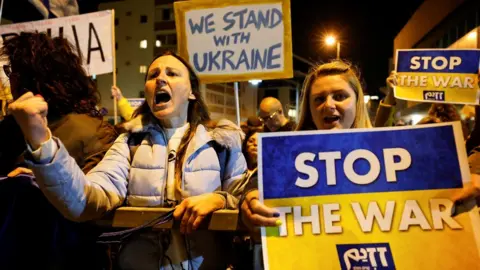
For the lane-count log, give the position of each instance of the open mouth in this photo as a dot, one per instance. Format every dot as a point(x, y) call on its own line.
point(162, 97)
point(331, 119)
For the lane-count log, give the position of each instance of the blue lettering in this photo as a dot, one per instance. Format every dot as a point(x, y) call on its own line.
point(235, 36)
point(243, 58)
point(272, 57)
point(213, 60)
point(252, 18)
point(220, 40)
point(257, 58)
point(230, 22)
point(279, 18)
point(263, 19)
point(226, 55)
point(240, 14)
point(195, 62)
point(194, 27)
point(245, 38)
point(209, 24)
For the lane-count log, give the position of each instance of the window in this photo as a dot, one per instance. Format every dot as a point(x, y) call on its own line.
point(143, 44)
point(127, 63)
point(117, 21)
point(170, 39)
point(129, 13)
point(116, 46)
point(143, 19)
point(128, 37)
point(158, 43)
point(143, 69)
point(166, 14)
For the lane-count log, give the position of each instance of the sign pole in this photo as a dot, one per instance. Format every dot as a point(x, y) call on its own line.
point(114, 58)
point(237, 102)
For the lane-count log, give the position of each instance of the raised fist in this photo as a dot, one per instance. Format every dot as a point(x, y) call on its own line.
point(30, 112)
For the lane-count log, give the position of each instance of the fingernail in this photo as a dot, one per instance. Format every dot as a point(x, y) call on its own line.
point(38, 95)
point(276, 214)
point(278, 222)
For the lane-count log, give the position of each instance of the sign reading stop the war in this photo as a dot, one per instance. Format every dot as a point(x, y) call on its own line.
point(91, 34)
point(438, 75)
point(367, 199)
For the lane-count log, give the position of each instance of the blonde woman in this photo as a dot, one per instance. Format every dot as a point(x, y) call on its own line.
point(332, 99)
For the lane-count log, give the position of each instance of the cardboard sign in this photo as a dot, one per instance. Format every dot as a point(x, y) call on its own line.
point(367, 199)
point(135, 102)
point(434, 75)
point(236, 40)
point(90, 33)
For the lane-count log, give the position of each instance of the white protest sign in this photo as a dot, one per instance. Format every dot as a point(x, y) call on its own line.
point(135, 102)
point(90, 33)
point(236, 40)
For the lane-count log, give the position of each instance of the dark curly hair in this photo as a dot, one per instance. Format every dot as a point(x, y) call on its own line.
point(50, 67)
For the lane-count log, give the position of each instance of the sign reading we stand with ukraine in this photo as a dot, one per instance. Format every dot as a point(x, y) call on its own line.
point(438, 75)
point(367, 199)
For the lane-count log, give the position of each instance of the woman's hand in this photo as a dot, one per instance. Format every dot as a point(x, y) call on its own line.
point(391, 83)
point(255, 214)
point(116, 93)
point(30, 113)
point(464, 198)
point(18, 171)
point(194, 209)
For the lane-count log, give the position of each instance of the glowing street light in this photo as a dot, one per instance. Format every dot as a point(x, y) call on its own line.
point(330, 41)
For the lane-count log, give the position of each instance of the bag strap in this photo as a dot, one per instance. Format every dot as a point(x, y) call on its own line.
point(118, 236)
point(223, 154)
point(134, 141)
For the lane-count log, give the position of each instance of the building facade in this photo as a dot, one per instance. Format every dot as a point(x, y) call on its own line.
point(146, 30)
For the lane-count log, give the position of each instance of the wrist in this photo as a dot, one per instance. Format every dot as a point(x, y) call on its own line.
point(36, 142)
point(221, 203)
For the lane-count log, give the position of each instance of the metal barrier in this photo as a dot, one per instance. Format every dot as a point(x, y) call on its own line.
point(129, 217)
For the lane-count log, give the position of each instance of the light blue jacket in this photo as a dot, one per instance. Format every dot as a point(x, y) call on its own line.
point(140, 180)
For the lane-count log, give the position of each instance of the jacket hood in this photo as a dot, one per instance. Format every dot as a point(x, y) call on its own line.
point(225, 132)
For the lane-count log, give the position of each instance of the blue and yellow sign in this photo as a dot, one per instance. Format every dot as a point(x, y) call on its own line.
point(434, 75)
point(367, 199)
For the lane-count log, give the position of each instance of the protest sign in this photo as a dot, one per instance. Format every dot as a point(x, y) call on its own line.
point(90, 33)
point(438, 75)
point(367, 199)
point(235, 40)
point(135, 102)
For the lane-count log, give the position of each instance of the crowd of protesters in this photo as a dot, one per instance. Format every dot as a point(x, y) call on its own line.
point(65, 168)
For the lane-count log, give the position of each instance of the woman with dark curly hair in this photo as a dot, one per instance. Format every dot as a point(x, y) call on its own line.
point(48, 67)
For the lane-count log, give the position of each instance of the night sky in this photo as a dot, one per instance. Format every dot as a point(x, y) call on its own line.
point(366, 30)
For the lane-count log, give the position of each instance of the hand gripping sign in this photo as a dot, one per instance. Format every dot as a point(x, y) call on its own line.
point(367, 199)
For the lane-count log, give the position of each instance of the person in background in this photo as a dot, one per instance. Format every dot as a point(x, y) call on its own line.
point(272, 115)
point(182, 160)
point(124, 108)
point(48, 69)
point(332, 99)
point(386, 109)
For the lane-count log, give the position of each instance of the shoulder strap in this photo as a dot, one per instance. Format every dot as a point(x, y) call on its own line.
point(134, 141)
point(223, 156)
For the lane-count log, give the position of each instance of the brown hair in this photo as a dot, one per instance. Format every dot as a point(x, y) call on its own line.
point(350, 75)
point(197, 114)
point(51, 67)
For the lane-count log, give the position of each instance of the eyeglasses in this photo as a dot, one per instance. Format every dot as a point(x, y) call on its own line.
point(267, 118)
point(8, 70)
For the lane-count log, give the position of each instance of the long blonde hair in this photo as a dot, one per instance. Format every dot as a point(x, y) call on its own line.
point(350, 75)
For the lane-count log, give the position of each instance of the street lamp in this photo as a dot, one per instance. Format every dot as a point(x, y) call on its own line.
point(330, 41)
